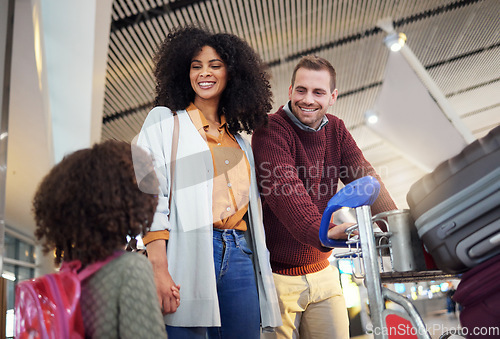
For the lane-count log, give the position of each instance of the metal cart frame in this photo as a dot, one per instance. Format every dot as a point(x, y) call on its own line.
point(360, 195)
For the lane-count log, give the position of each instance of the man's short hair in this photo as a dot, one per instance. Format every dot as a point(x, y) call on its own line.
point(316, 63)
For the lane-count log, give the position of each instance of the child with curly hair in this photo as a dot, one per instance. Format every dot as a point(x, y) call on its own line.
point(217, 86)
point(84, 210)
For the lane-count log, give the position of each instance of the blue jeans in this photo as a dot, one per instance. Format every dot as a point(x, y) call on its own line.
point(236, 289)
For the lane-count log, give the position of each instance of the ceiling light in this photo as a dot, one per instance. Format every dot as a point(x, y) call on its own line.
point(395, 41)
point(9, 276)
point(371, 117)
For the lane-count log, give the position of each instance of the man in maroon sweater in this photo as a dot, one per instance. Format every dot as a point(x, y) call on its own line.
point(299, 158)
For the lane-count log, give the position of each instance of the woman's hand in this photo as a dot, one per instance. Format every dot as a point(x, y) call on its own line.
point(167, 290)
point(338, 231)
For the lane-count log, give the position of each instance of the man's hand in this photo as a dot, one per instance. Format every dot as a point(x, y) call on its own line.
point(338, 231)
point(167, 290)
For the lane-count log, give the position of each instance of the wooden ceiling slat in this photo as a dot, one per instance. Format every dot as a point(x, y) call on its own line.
point(126, 80)
point(173, 18)
point(310, 36)
point(223, 25)
point(289, 23)
point(322, 21)
point(264, 31)
point(183, 16)
point(128, 98)
point(254, 30)
point(114, 97)
point(155, 31)
point(168, 20)
point(213, 17)
point(164, 26)
point(137, 36)
point(279, 13)
point(227, 18)
point(200, 13)
point(124, 7)
point(126, 59)
point(138, 4)
point(236, 16)
point(127, 130)
point(298, 28)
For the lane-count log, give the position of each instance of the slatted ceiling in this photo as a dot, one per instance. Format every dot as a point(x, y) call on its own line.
point(259, 34)
point(233, 15)
point(453, 33)
point(397, 167)
point(129, 90)
point(122, 124)
point(214, 14)
point(398, 182)
point(147, 35)
point(380, 154)
point(272, 28)
point(476, 122)
point(351, 109)
point(359, 63)
point(476, 70)
point(279, 14)
point(483, 131)
point(137, 6)
point(398, 193)
point(208, 15)
point(132, 70)
point(155, 29)
point(117, 11)
point(480, 111)
point(475, 99)
point(124, 7)
point(114, 86)
point(112, 131)
point(365, 138)
point(113, 100)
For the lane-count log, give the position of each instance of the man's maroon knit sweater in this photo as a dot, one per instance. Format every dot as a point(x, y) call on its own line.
point(298, 173)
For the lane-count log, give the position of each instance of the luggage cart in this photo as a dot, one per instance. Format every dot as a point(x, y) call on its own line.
point(366, 251)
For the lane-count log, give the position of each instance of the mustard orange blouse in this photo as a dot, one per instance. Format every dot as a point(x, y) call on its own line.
point(232, 177)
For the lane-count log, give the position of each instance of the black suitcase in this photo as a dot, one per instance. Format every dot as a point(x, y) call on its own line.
point(456, 208)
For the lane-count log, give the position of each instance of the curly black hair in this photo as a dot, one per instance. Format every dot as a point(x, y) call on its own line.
point(88, 203)
point(247, 97)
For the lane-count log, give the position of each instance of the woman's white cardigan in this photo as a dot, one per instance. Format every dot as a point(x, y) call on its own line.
point(190, 247)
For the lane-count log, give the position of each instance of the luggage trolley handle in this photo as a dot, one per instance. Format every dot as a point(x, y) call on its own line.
point(360, 192)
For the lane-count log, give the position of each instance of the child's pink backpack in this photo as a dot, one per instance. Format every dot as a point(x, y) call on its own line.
point(49, 306)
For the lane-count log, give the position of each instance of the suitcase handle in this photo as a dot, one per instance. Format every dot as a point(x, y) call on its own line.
point(358, 193)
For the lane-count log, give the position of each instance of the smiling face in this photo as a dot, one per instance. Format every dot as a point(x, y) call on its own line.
point(310, 96)
point(208, 75)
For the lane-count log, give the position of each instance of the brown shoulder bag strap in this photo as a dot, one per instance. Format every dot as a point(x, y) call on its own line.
point(173, 155)
point(132, 244)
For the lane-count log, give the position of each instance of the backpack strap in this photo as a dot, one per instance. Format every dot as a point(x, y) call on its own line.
point(90, 269)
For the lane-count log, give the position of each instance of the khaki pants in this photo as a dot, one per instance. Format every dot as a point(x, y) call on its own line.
point(312, 306)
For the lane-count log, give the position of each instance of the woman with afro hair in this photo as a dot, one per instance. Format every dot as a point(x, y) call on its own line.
point(84, 210)
point(208, 241)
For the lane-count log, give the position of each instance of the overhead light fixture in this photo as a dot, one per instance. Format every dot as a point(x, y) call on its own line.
point(395, 41)
point(371, 117)
point(9, 276)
